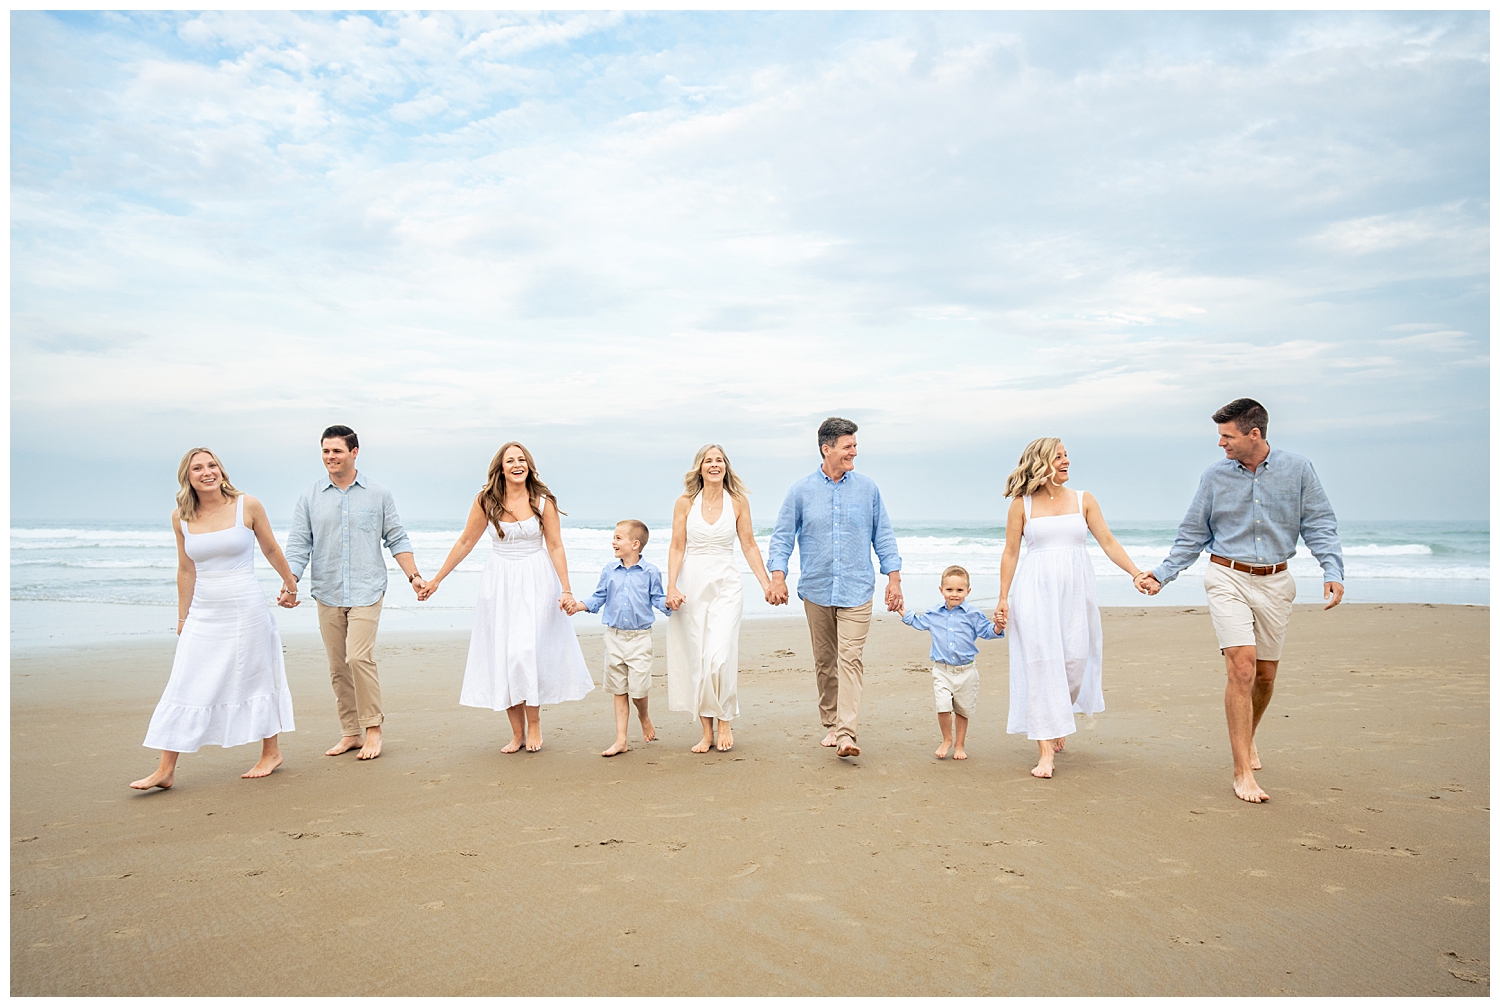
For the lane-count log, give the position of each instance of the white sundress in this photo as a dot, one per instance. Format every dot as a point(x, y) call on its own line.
point(703, 636)
point(228, 682)
point(1056, 640)
point(523, 648)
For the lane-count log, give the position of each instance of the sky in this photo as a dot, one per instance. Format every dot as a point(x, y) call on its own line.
point(616, 237)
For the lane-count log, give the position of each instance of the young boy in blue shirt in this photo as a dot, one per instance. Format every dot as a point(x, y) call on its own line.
point(955, 680)
point(629, 588)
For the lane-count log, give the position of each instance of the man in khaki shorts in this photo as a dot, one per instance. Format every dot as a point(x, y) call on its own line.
point(1247, 514)
point(339, 525)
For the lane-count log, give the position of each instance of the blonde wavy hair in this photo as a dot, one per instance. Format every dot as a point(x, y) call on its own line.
point(1034, 470)
point(492, 497)
point(693, 481)
point(187, 497)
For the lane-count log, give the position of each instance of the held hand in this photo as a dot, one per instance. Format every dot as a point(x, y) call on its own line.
point(417, 584)
point(565, 602)
point(287, 596)
point(1002, 615)
point(777, 594)
point(893, 600)
point(1333, 593)
point(675, 598)
point(1147, 584)
point(428, 589)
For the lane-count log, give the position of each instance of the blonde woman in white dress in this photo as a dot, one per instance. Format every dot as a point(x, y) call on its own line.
point(705, 595)
point(523, 653)
point(1050, 605)
point(228, 683)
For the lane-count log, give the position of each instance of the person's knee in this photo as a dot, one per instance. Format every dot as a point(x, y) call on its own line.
point(1265, 673)
point(1240, 665)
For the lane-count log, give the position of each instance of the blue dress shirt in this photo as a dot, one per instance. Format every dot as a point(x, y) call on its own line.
point(954, 631)
point(340, 531)
point(834, 525)
point(627, 594)
point(1255, 517)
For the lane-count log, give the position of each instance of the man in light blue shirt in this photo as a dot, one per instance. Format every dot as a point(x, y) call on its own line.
point(338, 526)
point(1247, 514)
point(834, 517)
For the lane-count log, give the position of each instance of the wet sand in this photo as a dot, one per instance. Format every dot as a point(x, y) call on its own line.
point(445, 867)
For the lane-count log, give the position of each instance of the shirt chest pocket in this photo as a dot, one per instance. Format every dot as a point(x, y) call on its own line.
point(854, 514)
point(367, 519)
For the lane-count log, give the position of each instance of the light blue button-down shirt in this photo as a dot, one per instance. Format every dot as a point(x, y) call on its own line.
point(627, 594)
point(340, 531)
point(834, 525)
point(1255, 517)
point(954, 631)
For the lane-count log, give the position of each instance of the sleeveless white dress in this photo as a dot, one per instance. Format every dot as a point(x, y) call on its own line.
point(703, 636)
point(523, 648)
point(228, 683)
point(1056, 640)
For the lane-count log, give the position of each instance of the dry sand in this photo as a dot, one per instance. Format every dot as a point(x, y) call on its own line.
point(445, 867)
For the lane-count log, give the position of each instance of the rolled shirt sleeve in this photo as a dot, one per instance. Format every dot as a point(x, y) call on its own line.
point(601, 593)
point(396, 539)
point(299, 540)
point(884, 539)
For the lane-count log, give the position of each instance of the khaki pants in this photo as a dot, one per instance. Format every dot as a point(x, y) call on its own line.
point(838, 643)
point(349, 638)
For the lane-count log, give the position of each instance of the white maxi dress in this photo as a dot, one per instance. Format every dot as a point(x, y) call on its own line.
point(703, 636)
point(228, 682)
point(523, 648)
point(1056, 640)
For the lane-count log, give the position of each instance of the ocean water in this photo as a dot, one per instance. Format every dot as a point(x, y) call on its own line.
point(72, 582)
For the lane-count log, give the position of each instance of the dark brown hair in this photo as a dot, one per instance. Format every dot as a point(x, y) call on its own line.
point(492, 497)
point(1245, 414)
point(831, 429)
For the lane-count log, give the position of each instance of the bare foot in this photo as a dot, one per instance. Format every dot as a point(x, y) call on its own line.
point(702, 746)
point(534, 740)
point(830, 741)
point(264, 767)
point(1043, 769)
point(371, 749)
point(648, 729)
point(847, 749)
point(959, 753)
point(1057, 744)
point(942, 750)
point(516, 742)
point(726, 738)
point(156, 779)
point(618, 747)
point(1246, 789)
point(346, 743)
point(1254, 757)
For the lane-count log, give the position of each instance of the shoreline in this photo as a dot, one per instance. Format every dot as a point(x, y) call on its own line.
point(889, 874)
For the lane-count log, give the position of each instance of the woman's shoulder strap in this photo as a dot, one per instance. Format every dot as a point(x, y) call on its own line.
point(1026, 506)
point(239, 510)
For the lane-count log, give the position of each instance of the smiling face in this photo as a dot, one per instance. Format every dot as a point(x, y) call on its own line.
point(955, 589)
point(204, 475)
point(515, 466)
point(1246, 448)
point(338, 459)
point(624, 543)
point(713, 467)
point(1060, 466)
point(838, 457)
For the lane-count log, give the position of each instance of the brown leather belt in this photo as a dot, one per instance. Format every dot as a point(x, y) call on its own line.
point(1259, 571)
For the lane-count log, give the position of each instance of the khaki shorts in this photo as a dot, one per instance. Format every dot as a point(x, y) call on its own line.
point(1250, 611)
point(956, 688)
point(629, 668)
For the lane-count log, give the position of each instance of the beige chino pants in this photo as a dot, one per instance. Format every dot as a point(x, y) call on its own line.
point(838, 643)
point(349, 638)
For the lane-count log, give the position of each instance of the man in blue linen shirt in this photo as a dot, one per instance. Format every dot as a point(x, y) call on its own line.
point(1247, 514)
point(339, 525)
point(834, 517)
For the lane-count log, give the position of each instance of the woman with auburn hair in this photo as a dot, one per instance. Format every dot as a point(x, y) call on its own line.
point(523, 652)
point(1050, 605)
point(704, 593)
point(228, 683)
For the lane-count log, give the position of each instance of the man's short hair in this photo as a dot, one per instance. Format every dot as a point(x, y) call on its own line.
point(1245, 414)
point(955, 571)
point(831, 429)
point(636, 530)
point(351, 439)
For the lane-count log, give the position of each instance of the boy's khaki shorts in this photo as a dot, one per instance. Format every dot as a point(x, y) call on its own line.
point(956, 688)
point(629, 669)
point(1250, 611)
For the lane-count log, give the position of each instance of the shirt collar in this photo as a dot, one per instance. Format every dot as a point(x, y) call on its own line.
point(1270, 454)
point(942, 606)
point(620, 564)
point(832, 482)
point(359, 480)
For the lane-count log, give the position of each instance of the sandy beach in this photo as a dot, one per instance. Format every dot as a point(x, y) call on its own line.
point(445, 867)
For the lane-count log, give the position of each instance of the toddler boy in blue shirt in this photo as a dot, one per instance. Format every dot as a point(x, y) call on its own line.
point(955, 628)
point(629, 588)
